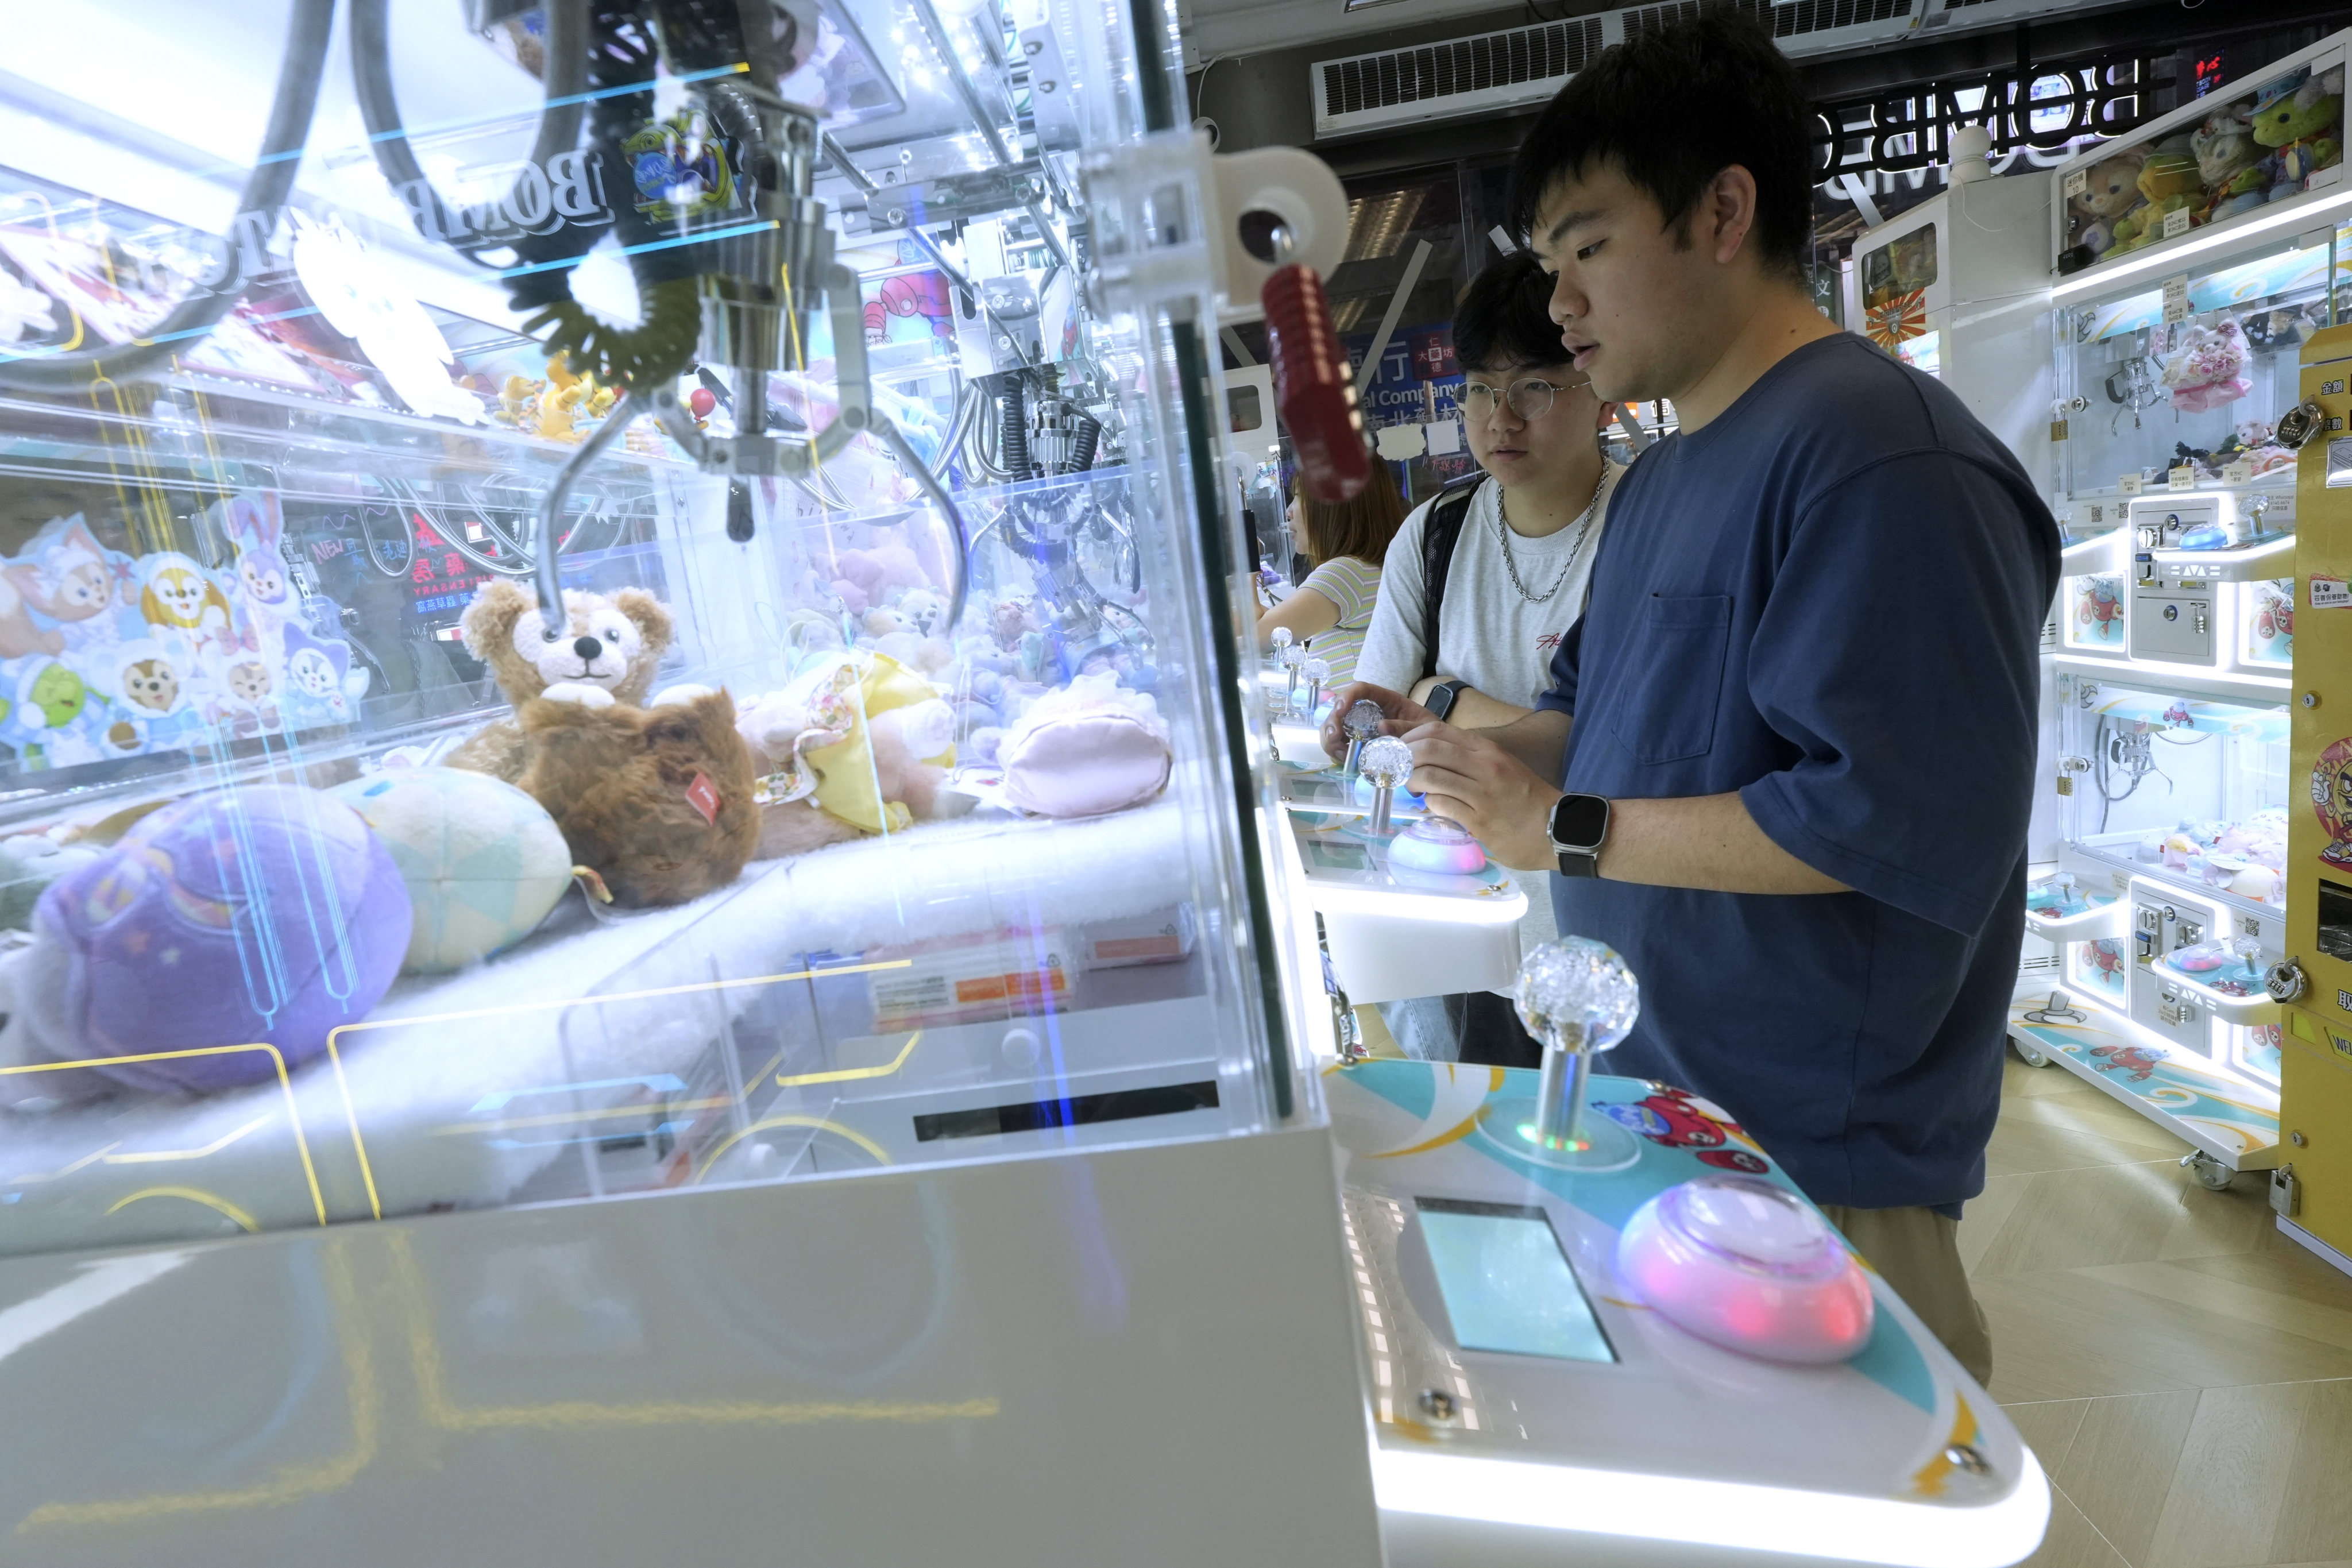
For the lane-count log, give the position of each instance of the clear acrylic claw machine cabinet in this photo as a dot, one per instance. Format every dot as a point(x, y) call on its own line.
point(634, 921)
point(2193, 265)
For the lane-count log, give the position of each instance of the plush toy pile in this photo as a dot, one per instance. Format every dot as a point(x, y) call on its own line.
point(657, 799)
point(2244, 155)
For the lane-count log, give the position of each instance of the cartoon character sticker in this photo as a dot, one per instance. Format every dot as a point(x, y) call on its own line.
point(316, 676)
point(1679, 1120)
point(2129, 1061)
point(2331, 800)
point(180, 601)
point(104, 655)
point(2098, 611)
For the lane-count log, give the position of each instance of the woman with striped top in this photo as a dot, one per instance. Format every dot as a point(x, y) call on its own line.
point(1333, 609)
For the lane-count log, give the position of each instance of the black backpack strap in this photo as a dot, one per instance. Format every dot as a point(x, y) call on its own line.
point(1439, 532)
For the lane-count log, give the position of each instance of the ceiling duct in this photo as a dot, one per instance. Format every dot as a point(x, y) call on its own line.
point(1519, 68)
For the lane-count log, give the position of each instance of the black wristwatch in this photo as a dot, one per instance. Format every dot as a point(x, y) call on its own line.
point(1579, 827)
point(1443, 695)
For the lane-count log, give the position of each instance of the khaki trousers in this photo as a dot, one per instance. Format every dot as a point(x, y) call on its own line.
point(1917, 1251)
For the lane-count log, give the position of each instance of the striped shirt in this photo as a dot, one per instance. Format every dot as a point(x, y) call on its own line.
point(1354, 585)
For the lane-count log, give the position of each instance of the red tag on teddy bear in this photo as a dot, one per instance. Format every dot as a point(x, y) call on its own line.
point(704, 795)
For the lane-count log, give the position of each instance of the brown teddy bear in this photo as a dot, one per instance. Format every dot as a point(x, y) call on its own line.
point(614, 646)
point(656, 800)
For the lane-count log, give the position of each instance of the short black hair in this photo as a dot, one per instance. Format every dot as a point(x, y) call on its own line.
point(1673, 109)
point(1504, 320)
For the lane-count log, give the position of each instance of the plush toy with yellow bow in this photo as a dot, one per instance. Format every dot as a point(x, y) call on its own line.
point(857, 745)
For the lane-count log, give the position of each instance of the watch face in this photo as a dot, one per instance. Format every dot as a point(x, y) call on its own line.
point(1579, 821)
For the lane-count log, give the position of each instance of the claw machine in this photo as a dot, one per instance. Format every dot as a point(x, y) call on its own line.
point(635, 916)
point(2193, 267)
point(2308, 1189)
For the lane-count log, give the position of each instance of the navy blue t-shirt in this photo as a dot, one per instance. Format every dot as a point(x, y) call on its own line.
point(1829, 599)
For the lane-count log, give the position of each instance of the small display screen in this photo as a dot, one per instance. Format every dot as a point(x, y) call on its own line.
point(1506, 1283)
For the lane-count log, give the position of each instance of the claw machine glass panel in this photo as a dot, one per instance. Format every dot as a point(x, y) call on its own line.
point(610, 649)
point(2171, 893)
point(626, 601)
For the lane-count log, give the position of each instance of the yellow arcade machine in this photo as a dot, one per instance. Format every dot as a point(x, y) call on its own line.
point(2312, 1190)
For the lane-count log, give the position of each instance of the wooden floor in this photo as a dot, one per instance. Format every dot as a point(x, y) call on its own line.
point(2183, 1370)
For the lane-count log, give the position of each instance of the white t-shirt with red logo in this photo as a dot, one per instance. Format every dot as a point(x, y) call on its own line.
point(1487, 632)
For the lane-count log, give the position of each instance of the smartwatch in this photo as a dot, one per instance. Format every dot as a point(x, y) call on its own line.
point(1443, 695)
point(1579, 827)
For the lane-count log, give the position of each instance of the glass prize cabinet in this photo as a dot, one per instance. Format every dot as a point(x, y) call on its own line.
point(2176, 423)
point(877, 803)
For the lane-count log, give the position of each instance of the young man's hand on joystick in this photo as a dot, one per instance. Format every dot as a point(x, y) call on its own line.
point(1399, 713)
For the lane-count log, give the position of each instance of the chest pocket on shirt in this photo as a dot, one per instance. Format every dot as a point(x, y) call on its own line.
point(1665, 708)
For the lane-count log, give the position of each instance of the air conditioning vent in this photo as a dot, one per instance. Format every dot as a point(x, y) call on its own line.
point(1787, 19)
point(1508, 69)
point(1521, 67)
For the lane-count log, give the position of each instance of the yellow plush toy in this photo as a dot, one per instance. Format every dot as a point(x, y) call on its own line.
point(862, 738)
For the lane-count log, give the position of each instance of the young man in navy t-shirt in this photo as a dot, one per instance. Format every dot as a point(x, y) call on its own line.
point(1787, 760)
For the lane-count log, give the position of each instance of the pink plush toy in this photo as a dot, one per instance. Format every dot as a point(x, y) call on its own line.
point(1084, 750)
point(2208, 368)
point(869, 577)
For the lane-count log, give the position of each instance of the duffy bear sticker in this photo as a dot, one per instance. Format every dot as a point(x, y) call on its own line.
point(104, 655)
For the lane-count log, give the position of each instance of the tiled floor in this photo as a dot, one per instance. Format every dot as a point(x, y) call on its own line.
point(2183, 1370)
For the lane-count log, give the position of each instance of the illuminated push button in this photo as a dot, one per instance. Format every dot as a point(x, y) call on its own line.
point(1749, 1267)
point(1435, 844)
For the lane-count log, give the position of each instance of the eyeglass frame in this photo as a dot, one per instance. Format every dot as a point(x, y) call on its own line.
point(1511, 395)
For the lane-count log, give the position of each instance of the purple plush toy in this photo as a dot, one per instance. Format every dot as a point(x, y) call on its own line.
point(262, 915)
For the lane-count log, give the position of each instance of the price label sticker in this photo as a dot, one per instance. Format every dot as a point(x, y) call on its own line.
point(2183, 477)
point(2331, 593)
point(2176, 223)
point(2176, 299)
point(2077, 181)
point(2129, 484)
point(2236, 473)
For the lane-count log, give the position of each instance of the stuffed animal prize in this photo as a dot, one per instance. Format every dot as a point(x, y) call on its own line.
point(483, 862)
point(264, 914)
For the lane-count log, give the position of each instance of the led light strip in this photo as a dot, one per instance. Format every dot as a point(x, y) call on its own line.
point(2097, 277)
point(1761, 1519)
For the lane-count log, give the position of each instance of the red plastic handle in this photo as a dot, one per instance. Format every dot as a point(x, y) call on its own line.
point(1314, 386)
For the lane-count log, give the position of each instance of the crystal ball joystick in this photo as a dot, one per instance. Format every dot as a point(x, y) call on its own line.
point(1362, 722)
point(1294, 660)
point(1318, 670)
point(1577, 996)
point(1386, 762)
point(1281, 640)
point(1750, 1267)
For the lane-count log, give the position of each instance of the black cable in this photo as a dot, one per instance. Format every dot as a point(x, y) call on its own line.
point(308, 30)
point(1013, 439)
point(566, 78)
point(1082, 449)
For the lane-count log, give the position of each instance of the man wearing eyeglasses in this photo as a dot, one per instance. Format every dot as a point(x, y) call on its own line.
point(1787, 761)
point(1485, 580)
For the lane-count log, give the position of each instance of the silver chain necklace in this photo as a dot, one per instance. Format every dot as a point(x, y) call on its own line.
point(1503, 532)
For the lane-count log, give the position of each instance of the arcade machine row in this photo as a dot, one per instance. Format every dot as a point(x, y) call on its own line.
point(2193, 266)
point(775, 744)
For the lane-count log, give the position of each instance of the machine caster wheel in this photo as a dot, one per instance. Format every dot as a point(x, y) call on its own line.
point(2034, 1056)
point(2210, 1173)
